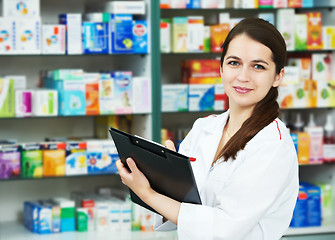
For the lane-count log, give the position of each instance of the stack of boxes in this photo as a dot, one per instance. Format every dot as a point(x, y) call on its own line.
point(73, 92)
point(87, 212)
point(114, 30)
point(308, 82)
point(201, 90)
point(55, 159)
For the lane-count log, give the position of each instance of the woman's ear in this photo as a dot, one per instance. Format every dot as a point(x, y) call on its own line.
point(278, 78)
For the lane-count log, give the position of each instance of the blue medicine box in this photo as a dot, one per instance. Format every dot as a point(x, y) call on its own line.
point(95, 38)
point(140, 36)
point(299, 218)
point(121, 40)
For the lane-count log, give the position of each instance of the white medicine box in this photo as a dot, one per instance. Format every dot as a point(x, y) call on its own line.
point(28, 35)
point(53, 39)
point(21, 8)
point(6, 36)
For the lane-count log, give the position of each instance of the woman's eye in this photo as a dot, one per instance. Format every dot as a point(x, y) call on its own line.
point(234, 63)
point(257, 66)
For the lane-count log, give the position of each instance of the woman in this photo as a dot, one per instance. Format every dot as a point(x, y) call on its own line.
point(246, 167)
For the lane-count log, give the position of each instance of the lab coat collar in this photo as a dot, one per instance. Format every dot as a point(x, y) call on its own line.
point(218, 123)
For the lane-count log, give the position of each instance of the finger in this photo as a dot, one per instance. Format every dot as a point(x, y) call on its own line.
point(132, 165)
point(170, 145)
point(121, 168)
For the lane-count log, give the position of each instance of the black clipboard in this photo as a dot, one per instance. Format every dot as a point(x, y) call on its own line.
point(169, 173)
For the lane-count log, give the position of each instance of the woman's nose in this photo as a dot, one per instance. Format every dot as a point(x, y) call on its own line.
point(243, 74)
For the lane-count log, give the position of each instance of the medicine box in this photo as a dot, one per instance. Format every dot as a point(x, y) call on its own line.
point(72, 98)
point(89, 204)
point(125, 7)
point(45, 102)
point(31, 160)
point(106, 94)
point(175, 97)
point(98, 162)
point(179, 34)
point(201, 71)
point(314, 30)
point(165, 34)
point(53, 39)
point(7, 35)
point(140, 36)
point(193, 4)
point(73, 24)
point(53, 159)
point(313, 205)
point(195, 33)
point(299, 218)
point(30, 216)
point(201, 97)
point(220, 99)
point(76, 163)
point(324, 94)
point(28, 36)
point(20, 81)
point(218, 33)
point(10, 161)
point(68, 212)
point(109, 156)
point(328, 37)
point(66, 74)
point(300, 31)
point(304, 65)
point(123, 91)
point(95, 37)
point(82, 219)
point(23, 103)
point(44, 214)
point(91, 81)
point(21, 8)
point(321, 66)
point(178, 3)
point(141, 95)
point(285, 26)
point(7, 97)
point(55, 214)
point(114, 214)
point(121, 36)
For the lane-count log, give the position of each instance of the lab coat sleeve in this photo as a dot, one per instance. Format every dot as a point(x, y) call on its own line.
point(245, 198)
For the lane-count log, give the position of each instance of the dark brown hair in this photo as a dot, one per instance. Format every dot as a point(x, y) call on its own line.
point(267, 109)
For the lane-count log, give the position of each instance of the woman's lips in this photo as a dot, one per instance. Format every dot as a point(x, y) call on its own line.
point(242, 89)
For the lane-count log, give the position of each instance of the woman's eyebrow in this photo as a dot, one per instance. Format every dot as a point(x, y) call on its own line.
point(254, 61)
point(259, 61)
point(233, 57)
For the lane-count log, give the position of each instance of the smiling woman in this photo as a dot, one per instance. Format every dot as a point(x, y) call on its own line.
point(246, 167)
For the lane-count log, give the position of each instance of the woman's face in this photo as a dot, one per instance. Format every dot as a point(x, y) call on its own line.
point(248, 72)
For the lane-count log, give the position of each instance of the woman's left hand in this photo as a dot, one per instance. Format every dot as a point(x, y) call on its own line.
point(135, 179)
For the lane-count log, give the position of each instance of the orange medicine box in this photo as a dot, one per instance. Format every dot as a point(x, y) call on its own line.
point(303, 148)
point(314, 30)
point(218, 36)
point(92, 93)
point(200, 68)
point(54, 159)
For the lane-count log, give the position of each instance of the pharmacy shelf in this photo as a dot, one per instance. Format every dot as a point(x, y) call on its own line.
point(58, 177)
point(310, 230)
point(16, 231)
point(79, 116)
point(242, 9)
point(73, 55)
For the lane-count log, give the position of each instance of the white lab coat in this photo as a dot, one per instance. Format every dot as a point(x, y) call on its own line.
point(250, 198)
